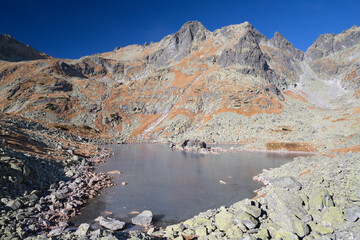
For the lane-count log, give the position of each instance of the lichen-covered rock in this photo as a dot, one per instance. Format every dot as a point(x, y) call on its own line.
point(224, 220)
point(352, 214)
point(320, 199)
point(283, 234)
point(246, 219)
point(247, 207)
point(83, 230)
point(287, 211)
point(289, 183)
point(201, 231)
point(332, 217)
point(234, 232)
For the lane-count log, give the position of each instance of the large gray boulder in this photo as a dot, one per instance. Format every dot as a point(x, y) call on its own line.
point(288, 183)
point(143, 219)
point(110, 223)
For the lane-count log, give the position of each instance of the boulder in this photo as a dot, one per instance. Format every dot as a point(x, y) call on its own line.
point(283, 234)
point(352, 214)
point(83, 230)
point(193, 144)
point(143, 219)
point(200, 231)
point(224, 220)
point(320, 199)
point(287, 211)
point(234, 232)
point(289, 183)
point(246, 219)
point(110, 223)
point(332, 217)
point(250, 209)
point(14, 204)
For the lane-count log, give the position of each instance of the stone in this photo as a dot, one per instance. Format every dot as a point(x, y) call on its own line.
point(14, 204)
point(289, 183)
point(262, 234)
point(283, 234)
point(234, 232)
point(56, 231)
point(287, 211)
point(193, 144)
point(5, 200)
point(224, 220)
point(110, 223)
point(189, 223)
point(252, 210)
point(332, 217)
point(200, 231)
point(246, 219)
point(83, 230)
point(320, 199)
point(143, 219)
point(322, 229)
point(202, 221)
point(352, 214)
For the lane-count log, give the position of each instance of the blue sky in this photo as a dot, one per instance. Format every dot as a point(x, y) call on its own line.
point(71, 29)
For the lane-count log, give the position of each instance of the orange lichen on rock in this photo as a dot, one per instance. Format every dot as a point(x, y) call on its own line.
point(145, 121)
point(260, 196)
point(268, 106)
point(304, 173)
point(181, 111)
point(290, 146)
point(182, 80)
point(296, 95)
point(355, 148)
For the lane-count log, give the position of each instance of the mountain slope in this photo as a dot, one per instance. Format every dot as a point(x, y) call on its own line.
point(232, 84)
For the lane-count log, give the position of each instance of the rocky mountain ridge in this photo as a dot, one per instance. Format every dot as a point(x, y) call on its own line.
point(14, 51)
point(198, 84)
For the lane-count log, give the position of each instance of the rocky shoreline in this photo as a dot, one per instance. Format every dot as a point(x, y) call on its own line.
point(314, 197)
point(48, 211)
point(308, 198)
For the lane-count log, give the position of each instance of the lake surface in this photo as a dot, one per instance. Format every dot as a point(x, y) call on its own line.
point(176, 185)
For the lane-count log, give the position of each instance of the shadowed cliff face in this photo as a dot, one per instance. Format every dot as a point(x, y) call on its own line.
point(232, 84)
point(13, 51)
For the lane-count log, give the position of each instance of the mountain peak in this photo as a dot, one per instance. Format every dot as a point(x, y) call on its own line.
point(328, 43)
point(193, 25)
point(192, 30)
point(279, 41)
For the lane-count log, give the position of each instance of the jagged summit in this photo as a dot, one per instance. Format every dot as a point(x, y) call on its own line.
point(192, 26)
point(279, 41)
point(13, 51)
point(329, 43)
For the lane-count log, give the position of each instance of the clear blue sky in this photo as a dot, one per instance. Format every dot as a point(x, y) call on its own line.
point(71, 28)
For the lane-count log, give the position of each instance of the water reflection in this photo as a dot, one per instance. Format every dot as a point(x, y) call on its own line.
point(176, 185)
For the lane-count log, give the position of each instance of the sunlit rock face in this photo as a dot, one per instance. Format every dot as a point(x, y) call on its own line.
point(232, 84)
